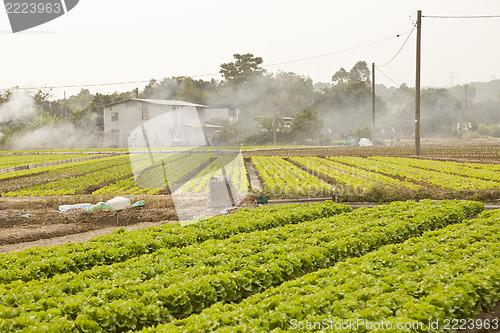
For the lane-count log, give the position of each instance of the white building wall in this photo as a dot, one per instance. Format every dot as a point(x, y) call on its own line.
point(178, 123)
point(221, 113)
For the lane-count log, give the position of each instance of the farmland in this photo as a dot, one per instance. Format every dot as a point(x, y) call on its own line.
point(410, 261)
point(378, 174)
point(145, 285)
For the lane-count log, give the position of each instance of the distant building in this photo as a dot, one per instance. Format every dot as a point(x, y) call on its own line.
point(169, 123)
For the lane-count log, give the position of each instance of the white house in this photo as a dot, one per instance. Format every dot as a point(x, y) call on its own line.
point(166, 123)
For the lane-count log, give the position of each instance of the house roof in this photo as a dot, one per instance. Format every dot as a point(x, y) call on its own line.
point(204, 125)
point(170, 102)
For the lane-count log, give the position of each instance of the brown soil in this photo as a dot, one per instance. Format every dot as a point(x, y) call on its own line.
point(480, 151)
point(34, 219)
point(74, 238)
point(492, 316)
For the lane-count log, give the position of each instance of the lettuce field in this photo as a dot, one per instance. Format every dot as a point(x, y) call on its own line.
point(344, 174)
point(419, 262)
point(263, 270)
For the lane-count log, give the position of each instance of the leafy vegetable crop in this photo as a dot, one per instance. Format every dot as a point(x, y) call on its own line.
point(283, 179)
point(445, 274)
point(36, 263)
point(176, 283)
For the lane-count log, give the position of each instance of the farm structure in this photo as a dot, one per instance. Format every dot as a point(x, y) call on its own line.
point(167, 122)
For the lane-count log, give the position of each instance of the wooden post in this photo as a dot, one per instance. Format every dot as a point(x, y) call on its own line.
point(417, 86)
point(373, 104)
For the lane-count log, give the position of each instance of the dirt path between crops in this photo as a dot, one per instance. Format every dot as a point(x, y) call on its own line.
point(73, 238)
point(27, 222)
point(36, 221)
point(491, 317)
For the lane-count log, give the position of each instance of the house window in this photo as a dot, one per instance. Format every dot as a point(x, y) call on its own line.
point(114, 116)
point(145, 115)
point(233, 117)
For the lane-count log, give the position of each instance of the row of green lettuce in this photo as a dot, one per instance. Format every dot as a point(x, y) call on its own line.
point(421, 285)
point(37, 263)
point(176, 283)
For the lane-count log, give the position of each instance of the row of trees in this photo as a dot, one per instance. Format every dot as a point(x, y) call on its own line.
point(319, 112)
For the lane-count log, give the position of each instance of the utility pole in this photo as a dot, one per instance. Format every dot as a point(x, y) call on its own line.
point(275, 136)
point(417, 86)
point(373, 103)
point(65, 115)
point(466, 105)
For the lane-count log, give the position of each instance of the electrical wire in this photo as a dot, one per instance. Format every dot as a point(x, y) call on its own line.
point(335, 52)
point(397, 84)
point(401, 48)
point(462, 17)
point(213, 74)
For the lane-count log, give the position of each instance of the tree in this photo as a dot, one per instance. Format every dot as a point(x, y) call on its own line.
point(440, 110)
point(340, 77)
point(346, 105)
point(194, 91)
point(44, 103)
point(306, 126)
point(291, 94)
point(244, 68)
point(4, 95)
point(166, 89)
point(360, 72)
point(79, 102)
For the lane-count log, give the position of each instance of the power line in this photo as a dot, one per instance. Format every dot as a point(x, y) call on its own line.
point(97, 84)
point(338, 51)
point(401, 48)
point(212, 74)
point(397, 84)
point(462, 17)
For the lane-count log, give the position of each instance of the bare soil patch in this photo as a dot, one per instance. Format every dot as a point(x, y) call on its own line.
point(32, 219)
point(36, 221)
point(492, 316)
point(75, 238)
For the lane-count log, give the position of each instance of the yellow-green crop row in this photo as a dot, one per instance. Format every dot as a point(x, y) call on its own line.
point(233, 167)
point(351, 175)
point(479, 171)
point(128, 185)
point(237, 172)
point(72, 185)
point(170, 174)
point(445, 180)
point(282, 178)
point(152, 177)
point(9, 161)
point(199, 183)
point(69, 168)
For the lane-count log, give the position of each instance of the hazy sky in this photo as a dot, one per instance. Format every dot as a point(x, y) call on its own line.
point(122, 40)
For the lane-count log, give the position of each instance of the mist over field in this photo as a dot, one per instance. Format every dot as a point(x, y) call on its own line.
point(56, 136)
point(29, 126)
point(279, 108)
point(19, 106)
